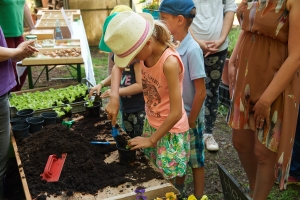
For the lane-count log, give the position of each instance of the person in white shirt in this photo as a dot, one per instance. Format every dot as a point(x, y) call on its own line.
point(210, 28)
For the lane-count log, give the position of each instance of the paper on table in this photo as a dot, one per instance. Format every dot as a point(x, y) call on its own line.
point(20, 70)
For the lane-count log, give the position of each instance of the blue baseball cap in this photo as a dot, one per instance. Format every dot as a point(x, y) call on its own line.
point(177, 7)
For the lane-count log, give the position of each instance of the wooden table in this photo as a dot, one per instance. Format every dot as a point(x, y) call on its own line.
point(46, 68)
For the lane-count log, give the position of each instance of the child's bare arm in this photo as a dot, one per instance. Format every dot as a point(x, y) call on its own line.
point(199, 98)
point(136, 87)
point(171, 71)
point(112, 108)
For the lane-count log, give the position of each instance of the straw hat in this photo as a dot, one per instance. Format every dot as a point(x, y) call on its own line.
point(113, 13)
point(126, 34)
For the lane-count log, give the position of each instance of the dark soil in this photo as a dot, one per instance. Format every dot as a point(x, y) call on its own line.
point(84, 169)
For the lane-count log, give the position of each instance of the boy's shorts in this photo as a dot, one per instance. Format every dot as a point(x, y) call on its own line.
point(171, 153)
point(197, 147)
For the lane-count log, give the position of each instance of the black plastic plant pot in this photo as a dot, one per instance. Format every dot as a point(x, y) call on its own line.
point(93, 111)
point(126, 156)
point(49, 118)
point(17, 120)
point(36, 124)
point(25, 113)
point(20, 130)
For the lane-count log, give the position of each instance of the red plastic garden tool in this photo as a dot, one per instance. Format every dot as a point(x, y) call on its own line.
point(53, 168)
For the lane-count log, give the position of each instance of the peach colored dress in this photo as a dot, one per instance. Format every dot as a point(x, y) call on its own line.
point(262, 51)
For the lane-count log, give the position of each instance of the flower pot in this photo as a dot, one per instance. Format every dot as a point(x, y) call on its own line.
point(126, 156)
point(93, 111)
point(36, 124)
point(45, 3)
point(17, 120)
point(25, 113)
point(225, 78)
point(154, 13)
point(20, 130)
point(49, 118)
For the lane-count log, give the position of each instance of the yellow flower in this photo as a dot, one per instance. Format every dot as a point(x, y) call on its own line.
point(204, 197)
point(170, 196)
point(158, 198)
point(192, 197)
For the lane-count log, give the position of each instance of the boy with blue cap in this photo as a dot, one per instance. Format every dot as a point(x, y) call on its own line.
point(178, 16)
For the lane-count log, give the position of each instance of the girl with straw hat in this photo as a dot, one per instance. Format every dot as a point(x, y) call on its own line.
point(165, 137)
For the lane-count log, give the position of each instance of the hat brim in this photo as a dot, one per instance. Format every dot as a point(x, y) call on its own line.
point(124, 62)
point(102, 44)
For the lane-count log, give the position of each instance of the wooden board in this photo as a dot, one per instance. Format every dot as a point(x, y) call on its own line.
point(154, 188)
point(231, 189)
point(75, 13)
point(48, 60)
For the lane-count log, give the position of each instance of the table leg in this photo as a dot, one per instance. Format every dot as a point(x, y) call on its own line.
point(79, 73)
point(47, 72)
point(30, 83)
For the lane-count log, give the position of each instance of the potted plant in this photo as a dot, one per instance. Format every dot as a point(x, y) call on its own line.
point(92, 107)
point(151, 6)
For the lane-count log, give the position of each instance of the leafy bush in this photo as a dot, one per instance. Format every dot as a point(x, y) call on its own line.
point(232, 39)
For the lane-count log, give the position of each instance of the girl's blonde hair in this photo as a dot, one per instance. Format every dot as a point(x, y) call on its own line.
point(162, 34)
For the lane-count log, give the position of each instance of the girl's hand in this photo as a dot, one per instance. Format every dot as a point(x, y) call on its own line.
point(215, 45)
point(206, 47)
point(106, 94)
point(96, 88)
point(140, 142)
point(112, 109)
point(261, 113)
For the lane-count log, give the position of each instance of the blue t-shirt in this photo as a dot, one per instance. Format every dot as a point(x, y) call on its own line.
point(193, 61)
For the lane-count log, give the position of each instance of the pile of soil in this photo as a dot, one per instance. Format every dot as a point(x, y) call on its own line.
point(84, 170)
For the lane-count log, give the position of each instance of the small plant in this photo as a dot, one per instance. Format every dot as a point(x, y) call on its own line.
point(232, 39)
point(68, 108)
point(140, 193)
point(59, 112)
point(89, 101)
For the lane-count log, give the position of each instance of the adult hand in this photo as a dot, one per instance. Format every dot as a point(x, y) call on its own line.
point(24, 50)
point(261, 113)
point(112, 109)
point(96, 88)
point(140, 142)
point(106, 94)
point(192, 124)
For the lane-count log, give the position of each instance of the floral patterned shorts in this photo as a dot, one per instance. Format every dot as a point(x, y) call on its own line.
point(171, 154)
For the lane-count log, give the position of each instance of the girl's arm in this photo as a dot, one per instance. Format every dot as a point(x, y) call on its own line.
point(131, 89)
point(288, 69)
point(112, 107)
point(204, 45)
point(198, 101)
point(171, 71)
point(98, 87)
point(230, 8)
point(136, 87)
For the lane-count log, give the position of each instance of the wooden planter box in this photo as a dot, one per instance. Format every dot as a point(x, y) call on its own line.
point(76, 107)
point(154, 188)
